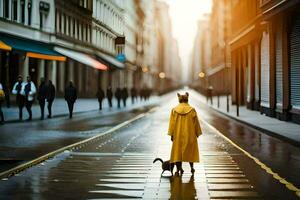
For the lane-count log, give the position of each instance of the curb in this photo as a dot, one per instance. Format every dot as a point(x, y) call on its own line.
point(13, 121)
point(268, 132)
point(11, 172)
point(262, 130)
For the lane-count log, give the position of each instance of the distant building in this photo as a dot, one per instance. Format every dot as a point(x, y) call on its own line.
point(201, 55)
point(212, 55)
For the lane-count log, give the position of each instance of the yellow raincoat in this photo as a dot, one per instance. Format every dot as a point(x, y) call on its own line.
point(184, 127)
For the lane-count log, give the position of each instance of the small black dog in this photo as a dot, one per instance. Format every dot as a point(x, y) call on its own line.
point(165, 165)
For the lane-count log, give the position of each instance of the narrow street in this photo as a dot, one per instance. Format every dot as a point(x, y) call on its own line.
point(119, 165)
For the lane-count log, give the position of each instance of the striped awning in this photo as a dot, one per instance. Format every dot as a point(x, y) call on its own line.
point(82, 58)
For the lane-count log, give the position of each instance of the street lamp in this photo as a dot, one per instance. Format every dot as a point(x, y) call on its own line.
point(201, 75)
point(145, 69)
point(162, 75)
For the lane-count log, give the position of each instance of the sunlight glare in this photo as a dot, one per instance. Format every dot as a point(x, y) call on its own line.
point(185, 15)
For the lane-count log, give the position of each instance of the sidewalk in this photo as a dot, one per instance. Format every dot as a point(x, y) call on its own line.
point(281, 129)
point(60, 108)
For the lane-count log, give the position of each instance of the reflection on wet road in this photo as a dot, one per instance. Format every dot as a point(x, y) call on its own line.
point(22, 142)
point(281, 156)
point(119, 166)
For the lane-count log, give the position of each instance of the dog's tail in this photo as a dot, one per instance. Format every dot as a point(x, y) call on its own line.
point(158, 159)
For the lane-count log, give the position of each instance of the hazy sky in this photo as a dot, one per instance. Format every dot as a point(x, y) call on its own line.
point(184, 15)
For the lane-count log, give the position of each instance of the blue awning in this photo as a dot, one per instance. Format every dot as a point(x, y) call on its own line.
point(31, 47)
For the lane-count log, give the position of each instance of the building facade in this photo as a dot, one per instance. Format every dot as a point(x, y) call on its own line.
point(212, 55)
point(26, 30)
point(94, 43)
point(253, 54)
point(201, 57)
point(264, 50)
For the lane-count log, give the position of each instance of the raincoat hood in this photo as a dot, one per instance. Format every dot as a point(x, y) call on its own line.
point(183, 109)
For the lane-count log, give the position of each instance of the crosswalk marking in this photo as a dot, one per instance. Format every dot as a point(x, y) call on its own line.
point(217, 176)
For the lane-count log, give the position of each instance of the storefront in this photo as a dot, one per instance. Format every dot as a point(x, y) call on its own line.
point(24, 57)
point(294, 38)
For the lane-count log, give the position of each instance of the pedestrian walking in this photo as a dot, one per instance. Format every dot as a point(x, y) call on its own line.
point(18, 90)
point(184, 129)
point(143, 94)
point(30, 91)
point(2, 98)
point(109, 95)
point(70, 97)
point(124, 96)
point(100, 96)
point(50, 97)
point(42, 95)
point(118, 95)
point(133, 94)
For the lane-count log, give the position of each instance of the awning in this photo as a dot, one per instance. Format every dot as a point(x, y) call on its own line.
point(32, 48)
point(3, 46)
point(111, 60)
point(82, 58)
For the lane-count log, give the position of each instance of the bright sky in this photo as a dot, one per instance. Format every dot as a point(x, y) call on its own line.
point(184, 15)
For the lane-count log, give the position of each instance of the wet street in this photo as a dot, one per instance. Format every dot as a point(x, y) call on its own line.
point(118, 165)
point(24, 141)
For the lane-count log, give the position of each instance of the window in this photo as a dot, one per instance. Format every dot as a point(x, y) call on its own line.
point(23, 11)
point(71, 27)
point(29, 12)
point(41, 20)
point(78, 30)
point(83, 32)
point(68, 25)
point(65, 24)
point(60, 22)
point(14, 10)
point(74, 28)
point(81, 3)
point(87, 33)
point(6, 8)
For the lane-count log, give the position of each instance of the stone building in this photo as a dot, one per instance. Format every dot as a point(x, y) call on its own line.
point(265, 57)
point(94, 43)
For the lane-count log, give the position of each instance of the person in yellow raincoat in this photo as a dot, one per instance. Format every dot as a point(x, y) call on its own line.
point(184, 129)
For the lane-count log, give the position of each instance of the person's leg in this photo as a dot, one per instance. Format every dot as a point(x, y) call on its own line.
point(119, 103)
point(42, 106)
point(21, 104)
point(109, 102)
point(20, 111)
point(50, 109)
point(1, 113)
point(72, 106)
point(192, 167)
point(30, 109)
point(28, 105)
point(179, 167)
point(69, 107)
point(100, 104)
